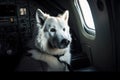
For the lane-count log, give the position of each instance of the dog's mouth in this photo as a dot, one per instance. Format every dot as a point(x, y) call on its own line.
point(62, 46)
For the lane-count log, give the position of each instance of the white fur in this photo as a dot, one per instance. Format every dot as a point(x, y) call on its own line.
point(41, 41)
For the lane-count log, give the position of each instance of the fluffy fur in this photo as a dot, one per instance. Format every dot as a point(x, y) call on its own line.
point(53, 38)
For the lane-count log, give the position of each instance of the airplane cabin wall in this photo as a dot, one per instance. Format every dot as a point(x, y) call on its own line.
point(100, 50)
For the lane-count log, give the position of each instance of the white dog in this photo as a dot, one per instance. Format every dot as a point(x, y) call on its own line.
point(52, 41)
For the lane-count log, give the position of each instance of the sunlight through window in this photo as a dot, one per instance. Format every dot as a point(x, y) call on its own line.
point(86, 12)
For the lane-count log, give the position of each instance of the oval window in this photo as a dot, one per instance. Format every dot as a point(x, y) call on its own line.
point(86, 17)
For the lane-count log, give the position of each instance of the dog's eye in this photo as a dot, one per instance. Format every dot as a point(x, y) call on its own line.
point(63, 29)
point(53, 30)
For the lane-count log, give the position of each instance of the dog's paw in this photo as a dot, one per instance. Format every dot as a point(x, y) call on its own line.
point(62, 59)
point(65, 59)
point(34, 54)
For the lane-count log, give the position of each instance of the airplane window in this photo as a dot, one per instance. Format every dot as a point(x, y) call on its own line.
point(86, 17)
point(87, 14)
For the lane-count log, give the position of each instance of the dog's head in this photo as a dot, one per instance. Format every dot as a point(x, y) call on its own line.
point(54, 29)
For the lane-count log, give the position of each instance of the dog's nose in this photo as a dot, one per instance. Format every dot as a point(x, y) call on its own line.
point(65, 42)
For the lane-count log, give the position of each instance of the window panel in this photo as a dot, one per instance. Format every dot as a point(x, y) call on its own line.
point(87, 15)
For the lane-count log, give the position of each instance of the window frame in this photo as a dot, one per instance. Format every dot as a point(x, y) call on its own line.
point(87, 31)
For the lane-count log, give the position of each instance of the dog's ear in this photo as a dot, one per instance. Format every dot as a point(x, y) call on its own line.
point(40, 17)
point(65, 15)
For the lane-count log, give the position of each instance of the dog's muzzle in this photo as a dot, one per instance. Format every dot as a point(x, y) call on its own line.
point(59, 44)
point(64, 43)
